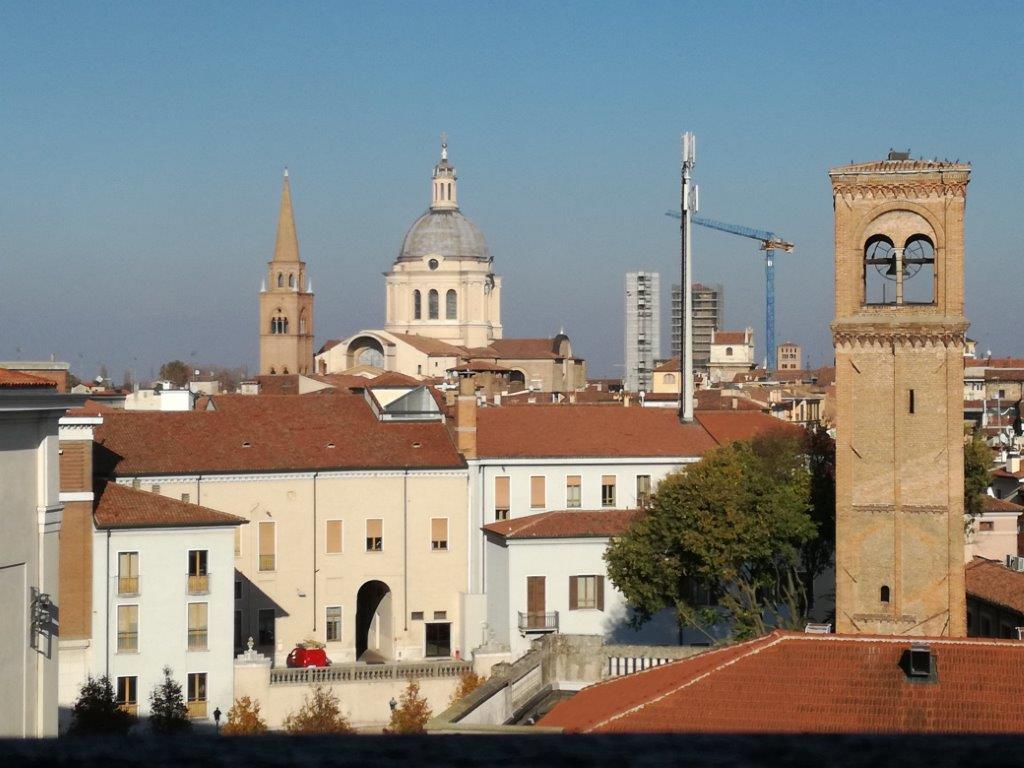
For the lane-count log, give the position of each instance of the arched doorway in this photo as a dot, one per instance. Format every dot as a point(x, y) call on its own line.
point(373, 622)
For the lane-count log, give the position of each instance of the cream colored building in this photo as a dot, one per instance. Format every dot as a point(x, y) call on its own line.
point(443, 285)
point(357, 510)
point(732, 352)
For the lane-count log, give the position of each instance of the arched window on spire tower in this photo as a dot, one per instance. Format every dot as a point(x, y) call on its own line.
point(432, 309)
point(451, 310)
point(417, 305)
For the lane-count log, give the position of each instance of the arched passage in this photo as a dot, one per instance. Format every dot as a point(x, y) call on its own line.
point(373, 622)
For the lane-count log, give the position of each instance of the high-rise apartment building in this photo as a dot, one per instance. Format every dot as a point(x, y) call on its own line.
point(643, 329)
point(708, 317)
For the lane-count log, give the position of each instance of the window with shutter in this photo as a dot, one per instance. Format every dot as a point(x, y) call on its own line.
point(573, 492)
point(333, 537)
point(537, 500)
point(197, 626)
point(501, 494)
point(333, 623)
point(127, 628)
point(439, 533)
point(268, 546)
point(586, 592)
point(374, 535)
point(608, 490)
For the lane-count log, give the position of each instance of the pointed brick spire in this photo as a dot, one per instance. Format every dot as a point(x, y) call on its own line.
point(287, 246)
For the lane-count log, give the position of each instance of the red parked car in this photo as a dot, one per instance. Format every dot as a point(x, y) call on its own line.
point(308, 657)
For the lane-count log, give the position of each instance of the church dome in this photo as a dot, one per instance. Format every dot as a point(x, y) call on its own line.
point(446, 233)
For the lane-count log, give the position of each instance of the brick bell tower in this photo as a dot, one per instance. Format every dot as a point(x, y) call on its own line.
point(899, 343)
point(286, 301)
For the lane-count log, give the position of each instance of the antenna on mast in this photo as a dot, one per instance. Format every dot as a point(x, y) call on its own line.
point(687, 207)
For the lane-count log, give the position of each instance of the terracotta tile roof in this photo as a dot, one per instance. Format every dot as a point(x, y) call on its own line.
point(796, 683)
point(564, 524)
point(669, 366)
point(732, 426)
point(329, 345)
point(429, 346)
point(1000, 362)
point(718, 400)
point(480, 366)
point(587, 430)
point(119, 506)
point(1004, 374)
point(729, 337)
point(526, 349)
point(280, 384)
point(992, 504)
point(896, 166)
point(1004, 472)
point(19, 380)
point(269, 433)
point(994, 583)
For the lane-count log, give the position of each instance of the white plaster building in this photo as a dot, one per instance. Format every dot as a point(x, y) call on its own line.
point(30, 518)
point(732, 352)
point(163, 595)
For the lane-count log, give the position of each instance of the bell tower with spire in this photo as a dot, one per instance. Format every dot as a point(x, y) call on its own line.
point(286, 301)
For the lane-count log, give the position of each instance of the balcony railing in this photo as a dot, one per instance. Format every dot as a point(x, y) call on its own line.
point(538, 621)
point(131, 709)
point(128, 641)
point(267, 562)
point(197, 709)
point(127, 585)
point(198, 584)
point(359, 672)
point(197, 639)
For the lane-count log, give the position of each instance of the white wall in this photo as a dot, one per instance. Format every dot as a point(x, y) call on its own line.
point(163, 609)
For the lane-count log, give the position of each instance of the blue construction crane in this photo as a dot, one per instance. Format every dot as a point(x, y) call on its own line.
point(770, 242)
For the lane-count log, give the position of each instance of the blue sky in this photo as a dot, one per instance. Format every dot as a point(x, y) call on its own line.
point(141, 147)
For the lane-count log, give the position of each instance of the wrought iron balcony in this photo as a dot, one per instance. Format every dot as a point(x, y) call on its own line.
point(198, 583)
point(127, 585)
point(538, 621)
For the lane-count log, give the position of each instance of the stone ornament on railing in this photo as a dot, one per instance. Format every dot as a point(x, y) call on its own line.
point(250, 655)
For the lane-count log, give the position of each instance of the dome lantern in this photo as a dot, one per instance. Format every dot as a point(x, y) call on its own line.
point(443, 193)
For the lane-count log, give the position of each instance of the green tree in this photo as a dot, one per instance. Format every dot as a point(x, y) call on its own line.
point(97, 711)
point(735, 524)
point(175, 372)
point(819, 551)
point(411, 714)
point(167, 710)
point(977, 462)
point(319, 713)
point(244, 718)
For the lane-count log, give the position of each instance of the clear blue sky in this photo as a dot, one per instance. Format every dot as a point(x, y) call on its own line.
point(141, 147)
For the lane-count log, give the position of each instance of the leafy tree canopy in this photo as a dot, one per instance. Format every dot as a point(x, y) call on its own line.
point(244, 718)
point(977, 462)
point(176, 372)
point(412, 713)
point(736, 523)
point(319, 713)
point(167, 710)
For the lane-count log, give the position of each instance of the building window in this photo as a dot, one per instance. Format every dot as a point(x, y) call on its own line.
point(128, 573)
point(374, 535)
point(450, 305)
point(238, 631)
point(238, 589)
point(439, 533)
point(417, 305)
point(265, 626)
point(728, 351)
point(986, 525)
point(185, 498)
point(643, 490)
point(501, 500)
point(280, 280)
point(573, 494)
point(302, 324)
point(268, 546)
point(291, 280)
point(439, 640)
point(333, 624)
point(537, 496)
point(670, 378)
point(586, 592)
point(910, 400)
point(128, 694)
point(883, 594)
point(333, 537)
point(197, 626)
point(127, 628)
point(608, 490)
point(432, 304)
point(197, 695)
point(198, 576)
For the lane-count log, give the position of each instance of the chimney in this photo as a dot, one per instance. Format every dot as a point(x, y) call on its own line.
point(1013, 463)
point(465, 419)
point(625, 399)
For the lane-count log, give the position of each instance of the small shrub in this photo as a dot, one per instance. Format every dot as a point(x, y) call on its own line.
point(412, 713)
point(469, 681)
point(167, 710)
point(319, 713)
point(244, 718)
point(96, 710)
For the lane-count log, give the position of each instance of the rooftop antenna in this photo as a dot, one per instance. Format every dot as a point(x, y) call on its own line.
point(687, 207)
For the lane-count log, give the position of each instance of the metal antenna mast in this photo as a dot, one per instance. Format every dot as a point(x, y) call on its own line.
point(687, 207)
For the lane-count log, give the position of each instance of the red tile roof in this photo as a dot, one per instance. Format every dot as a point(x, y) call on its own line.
point(119, 506)
point(994, 583)
point(729, 337)
point(564, 524)
point(526, 349)
point(1004, 374)
point(999, 362)
point(270, 433)
point(732, 426)
point(587, 430)
point(669, 366)
point(797, 683)
point(992, 504)
point(429, 346)
point(19, 380)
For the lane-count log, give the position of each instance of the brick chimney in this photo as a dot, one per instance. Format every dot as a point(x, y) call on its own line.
point(465, 419)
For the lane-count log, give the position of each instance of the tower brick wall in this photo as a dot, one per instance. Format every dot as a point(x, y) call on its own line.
point(899, 412)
